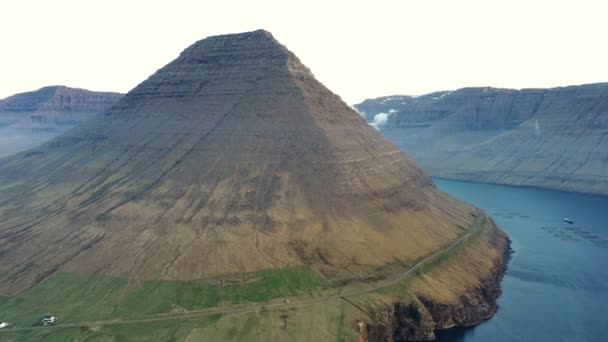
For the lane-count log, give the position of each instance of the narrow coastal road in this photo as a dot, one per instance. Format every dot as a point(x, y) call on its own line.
point(245, 308)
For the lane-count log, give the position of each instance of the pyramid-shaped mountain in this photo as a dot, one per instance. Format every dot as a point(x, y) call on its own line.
point(232, 158)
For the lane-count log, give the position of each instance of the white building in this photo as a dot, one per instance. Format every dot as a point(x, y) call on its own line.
point(46, 320)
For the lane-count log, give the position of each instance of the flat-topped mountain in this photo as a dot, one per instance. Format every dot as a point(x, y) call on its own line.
point(553, 138)
point(55, 105)
point(31, 118)
point(232, 160)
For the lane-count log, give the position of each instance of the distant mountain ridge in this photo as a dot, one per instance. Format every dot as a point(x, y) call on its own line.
point(553, 138)
point(31, 118)
point(56, 105)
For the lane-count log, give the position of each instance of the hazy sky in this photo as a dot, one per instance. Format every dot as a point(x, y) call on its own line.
point(358, 49)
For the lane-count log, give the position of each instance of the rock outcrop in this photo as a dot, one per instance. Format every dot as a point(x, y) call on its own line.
point(418, 318)
point(554, 138)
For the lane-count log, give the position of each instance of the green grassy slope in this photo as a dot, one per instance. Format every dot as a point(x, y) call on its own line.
point(76, 297)
point(167, 310)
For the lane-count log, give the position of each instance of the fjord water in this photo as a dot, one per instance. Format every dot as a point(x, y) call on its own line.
point(556, 287)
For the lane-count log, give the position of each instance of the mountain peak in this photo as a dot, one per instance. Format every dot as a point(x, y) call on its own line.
point(227, 64)
point(261, 40)
point(234, 153)
point(259, 34)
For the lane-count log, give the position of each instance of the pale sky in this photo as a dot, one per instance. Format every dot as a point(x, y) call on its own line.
point(359, 49)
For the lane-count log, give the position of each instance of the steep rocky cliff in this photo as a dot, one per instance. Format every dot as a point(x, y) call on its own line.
point(31, 118)
point(555, 138)
point(459, 293)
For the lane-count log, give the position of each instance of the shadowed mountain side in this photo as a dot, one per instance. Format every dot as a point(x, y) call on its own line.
point(230, 159)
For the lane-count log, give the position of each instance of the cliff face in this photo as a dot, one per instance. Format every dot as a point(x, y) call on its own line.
point(434, 306)
point(554, 138)
point(31, 118)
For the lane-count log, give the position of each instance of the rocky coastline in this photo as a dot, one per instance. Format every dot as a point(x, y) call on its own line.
point(420, 318)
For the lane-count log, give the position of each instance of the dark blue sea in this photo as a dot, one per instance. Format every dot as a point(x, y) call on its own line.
point(556, 287)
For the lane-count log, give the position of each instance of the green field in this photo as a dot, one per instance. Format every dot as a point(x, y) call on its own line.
point(76, 298)
point(314, 322)
point(173, 330)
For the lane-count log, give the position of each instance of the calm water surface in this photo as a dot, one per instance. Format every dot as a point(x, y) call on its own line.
point(556, 288)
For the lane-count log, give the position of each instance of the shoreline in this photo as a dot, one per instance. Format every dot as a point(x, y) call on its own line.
point(532, 187)
point(420, 318)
